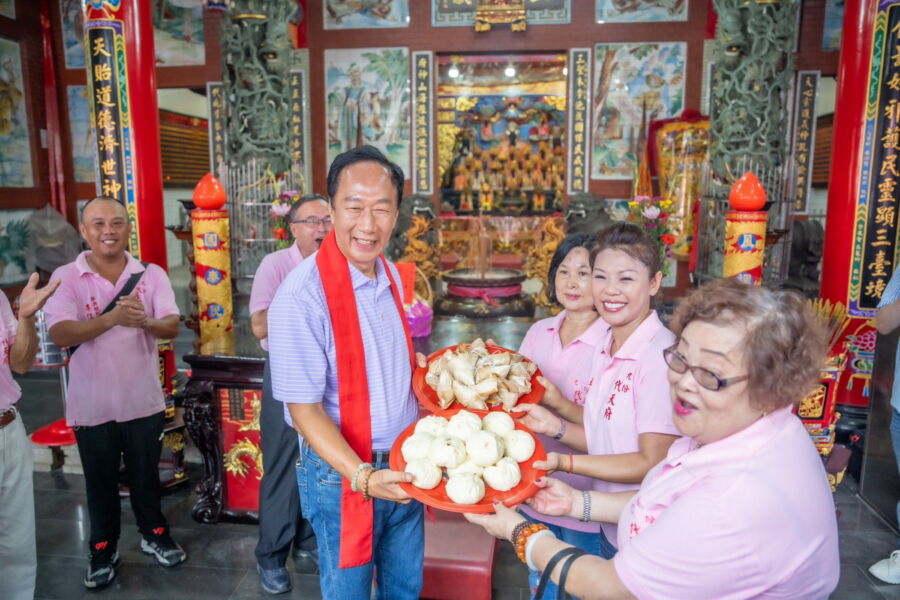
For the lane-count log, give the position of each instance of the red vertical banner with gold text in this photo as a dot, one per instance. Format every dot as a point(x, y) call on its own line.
point(121, 75)
point(848, 204)
point(874, 256)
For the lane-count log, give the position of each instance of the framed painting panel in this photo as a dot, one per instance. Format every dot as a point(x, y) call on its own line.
point(15, 159)
point(81, 133)
point(8, 9)
point(351, 14)
point(178, 33)
point(610, 11)
point(630, 79)
point(72, 33)
point(14, 236)
point(834, 21)
point(368, 100)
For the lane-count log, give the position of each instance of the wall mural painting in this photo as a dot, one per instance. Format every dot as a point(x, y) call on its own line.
point(631, 78)
point(178, 32)
point(367, 95)
point(834, 20)
point(365, 14)
point(633, 11)
point(72, 33)
point(15, 159)
point(13, 246)
point(8, 8)
point(81, 133)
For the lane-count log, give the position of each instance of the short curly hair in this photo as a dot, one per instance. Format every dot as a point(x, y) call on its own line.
point(784, 348)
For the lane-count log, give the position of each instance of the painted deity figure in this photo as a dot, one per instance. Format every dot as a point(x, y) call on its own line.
point(350, 133)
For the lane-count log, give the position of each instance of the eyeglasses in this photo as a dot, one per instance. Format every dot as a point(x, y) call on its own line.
point(313, 222)
point(704, 377)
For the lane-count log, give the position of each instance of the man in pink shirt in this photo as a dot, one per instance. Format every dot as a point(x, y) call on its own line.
point(18, 346)
point(281, 521)
point(115, 402)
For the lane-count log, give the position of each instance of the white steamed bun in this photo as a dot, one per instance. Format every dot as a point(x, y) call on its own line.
point(465, 489)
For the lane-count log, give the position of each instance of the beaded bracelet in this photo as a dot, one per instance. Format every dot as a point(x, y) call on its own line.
point(523, 538)
point(359, 469)
point(517, 530)
point(562, 430)
point(585, 506)
point(365, 485)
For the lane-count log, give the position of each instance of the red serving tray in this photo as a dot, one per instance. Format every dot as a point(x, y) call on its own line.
point(429, 398)
point(437, 496)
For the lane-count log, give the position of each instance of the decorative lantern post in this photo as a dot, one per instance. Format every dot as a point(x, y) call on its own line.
point(745, 231)
point(212, 262)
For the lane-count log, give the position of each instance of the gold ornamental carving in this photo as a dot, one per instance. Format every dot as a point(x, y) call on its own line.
point(538, 264)
point(500, 12)
point(234, 459)
point(256, 408)
point(174, 441)
point(418, 250)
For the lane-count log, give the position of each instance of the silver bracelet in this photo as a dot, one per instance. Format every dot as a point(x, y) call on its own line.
point(562, 430)
point(585, 506)
point(359, 469)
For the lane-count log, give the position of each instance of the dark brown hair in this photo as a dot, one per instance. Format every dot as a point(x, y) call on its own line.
point(784, 348)
point(630, 239)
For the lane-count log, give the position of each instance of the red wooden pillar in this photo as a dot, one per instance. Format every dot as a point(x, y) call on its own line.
point(846, 205)
point(122, 82)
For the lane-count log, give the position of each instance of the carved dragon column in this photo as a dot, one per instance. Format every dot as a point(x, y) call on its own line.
point(754, 69)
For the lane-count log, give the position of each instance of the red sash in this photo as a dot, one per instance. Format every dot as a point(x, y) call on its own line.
point(353, 391)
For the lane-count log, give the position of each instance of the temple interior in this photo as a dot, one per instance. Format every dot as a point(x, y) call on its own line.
point(751, 140)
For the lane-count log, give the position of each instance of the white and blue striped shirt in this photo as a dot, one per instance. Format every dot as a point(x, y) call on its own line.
point(302, 352)
point(890, 295)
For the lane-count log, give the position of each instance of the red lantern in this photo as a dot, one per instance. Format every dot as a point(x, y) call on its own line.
point(209, 193)
point(747, 193)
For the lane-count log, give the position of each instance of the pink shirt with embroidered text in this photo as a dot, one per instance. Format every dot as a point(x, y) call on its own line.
point(10, 392)
point(748, 516)
point(630, 396)
point(270, 273)
point(569, 368)
point(115, 376)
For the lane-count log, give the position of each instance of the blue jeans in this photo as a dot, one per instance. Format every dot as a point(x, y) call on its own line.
point(895, 438)
point(398, 544)
point(592, 543)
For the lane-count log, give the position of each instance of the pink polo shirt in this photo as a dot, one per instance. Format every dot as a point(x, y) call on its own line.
point(115, 376)
point(748, 516)
point(269, 275)
point(569, 368)
point(10, 392)
point(630, 396)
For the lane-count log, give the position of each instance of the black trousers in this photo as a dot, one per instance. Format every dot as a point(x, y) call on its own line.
point(281, 521)
point(102, 448)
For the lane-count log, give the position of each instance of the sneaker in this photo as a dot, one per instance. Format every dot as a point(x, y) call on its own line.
point(887, 569)
point(274, 581)
point(101, 570)
point(161, 545)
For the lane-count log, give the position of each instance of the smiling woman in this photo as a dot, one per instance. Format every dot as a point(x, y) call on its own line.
point(744, 491)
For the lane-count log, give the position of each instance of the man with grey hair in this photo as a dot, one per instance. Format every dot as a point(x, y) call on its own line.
point(281, 522)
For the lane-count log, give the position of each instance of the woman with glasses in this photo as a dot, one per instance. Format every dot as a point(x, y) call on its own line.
point(625, 424)
point(741, 506)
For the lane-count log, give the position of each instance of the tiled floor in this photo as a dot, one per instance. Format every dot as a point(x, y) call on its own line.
point(221, 563)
